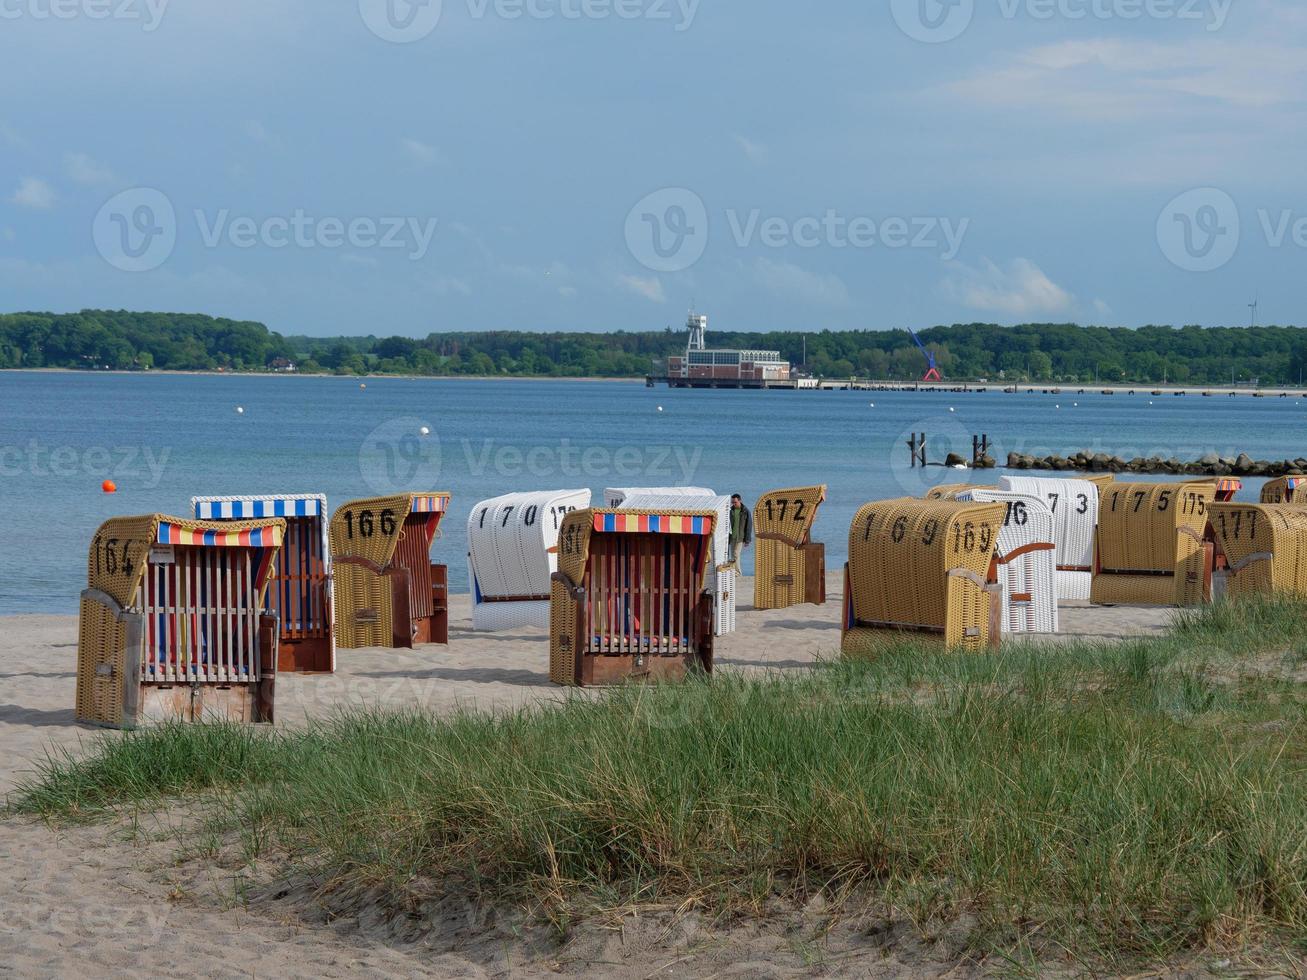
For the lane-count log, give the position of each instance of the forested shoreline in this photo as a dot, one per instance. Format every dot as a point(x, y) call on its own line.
point(1057, 352)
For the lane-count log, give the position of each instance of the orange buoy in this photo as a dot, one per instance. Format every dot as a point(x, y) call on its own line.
point(108, 486)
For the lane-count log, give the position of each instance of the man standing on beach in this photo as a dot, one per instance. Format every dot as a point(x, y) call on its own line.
point(741, 527)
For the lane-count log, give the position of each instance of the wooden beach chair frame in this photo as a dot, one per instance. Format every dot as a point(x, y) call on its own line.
point(300, 589)
point(389, 594)
point(172, 623)
point(629, 599)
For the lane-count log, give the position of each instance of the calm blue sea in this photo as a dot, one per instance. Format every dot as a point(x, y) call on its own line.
point(164, 438)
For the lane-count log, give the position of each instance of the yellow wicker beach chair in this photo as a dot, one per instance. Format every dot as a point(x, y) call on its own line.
point(1285, 490)
point(1150, 547)
point(1100, 480)
point(922, 566)
point(172, 623)
point(387, 591)
point(630, 600)
point(1264, 547)
point(790, 568)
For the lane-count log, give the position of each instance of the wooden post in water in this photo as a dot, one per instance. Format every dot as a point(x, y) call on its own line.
point(979, 449)
point(917, 446)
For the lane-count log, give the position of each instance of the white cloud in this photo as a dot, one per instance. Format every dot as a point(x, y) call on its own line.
point(1020, 290)
point(756, 152)
point(84, 170)
point(422, 154)
point(789, 281)
point(650, 287)
point(33, 193)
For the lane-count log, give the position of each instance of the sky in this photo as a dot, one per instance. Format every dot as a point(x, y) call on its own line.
point(393, 167)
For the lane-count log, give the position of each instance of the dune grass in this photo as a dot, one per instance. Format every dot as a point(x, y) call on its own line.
point(1131, 799)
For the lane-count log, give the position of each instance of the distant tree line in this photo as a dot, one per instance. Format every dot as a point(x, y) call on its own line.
point(1052, 352)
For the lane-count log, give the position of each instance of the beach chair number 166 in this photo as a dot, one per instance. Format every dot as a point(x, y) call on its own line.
point(367, 523)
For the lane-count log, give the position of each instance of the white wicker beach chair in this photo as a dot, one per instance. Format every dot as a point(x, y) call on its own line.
point(512, 550)
point(1025, 560)
point(1074, 505)
point(722, 576)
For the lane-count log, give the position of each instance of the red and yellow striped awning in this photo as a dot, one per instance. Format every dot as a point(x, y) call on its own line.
point(636, 522)
point(259, 537)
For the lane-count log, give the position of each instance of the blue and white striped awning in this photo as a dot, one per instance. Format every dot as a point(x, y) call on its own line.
point(235, 508)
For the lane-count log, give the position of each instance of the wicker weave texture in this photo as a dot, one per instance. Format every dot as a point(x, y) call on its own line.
point(1265, 546)
point(1025, 559)
point(951, 491)
point(1101, 480)
point(1150, 543)
point(1285, 490)
point(922, 565)
point(369, 529)
point(101, 665)
point(782, 525)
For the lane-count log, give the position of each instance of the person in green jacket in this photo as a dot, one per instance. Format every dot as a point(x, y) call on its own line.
point(741, 527)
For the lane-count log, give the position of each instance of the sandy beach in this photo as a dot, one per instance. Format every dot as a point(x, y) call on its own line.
point(105, 901)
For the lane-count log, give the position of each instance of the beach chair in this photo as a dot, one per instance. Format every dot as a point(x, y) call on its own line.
point(1285, 490)
point(1074, 506)
point(512, 550)
point(388, 593)
point(722, 573)
point(1025, 560)
point(299, 590)
point(1264, 547)
point(1150, 544)
point(790, 569)
point(629, 599)
point(950, 491)
point(172, 625)
point(921, 567)
point(1226, 488)
point(614, 497)
point(1100, 480)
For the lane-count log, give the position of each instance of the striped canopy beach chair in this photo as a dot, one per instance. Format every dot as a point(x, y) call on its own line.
point(1074, 506)
point(722, 573)
point(1151, 548)
point(299, 592)
point(512, 552)
point(1264, 547)
point(172, 622)
point(629, 599)
point(922, 567)
point(388, 593)
point(1227, 487)
point(790, 569)
point(614, 497)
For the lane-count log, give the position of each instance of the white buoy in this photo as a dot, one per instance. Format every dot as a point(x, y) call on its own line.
point(1057, 406)
point(660, 408)
point(240, 409)
point(425, 431)
point(872, 404)
point(1075, 404)
point(363, 387)
point(952, 409)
